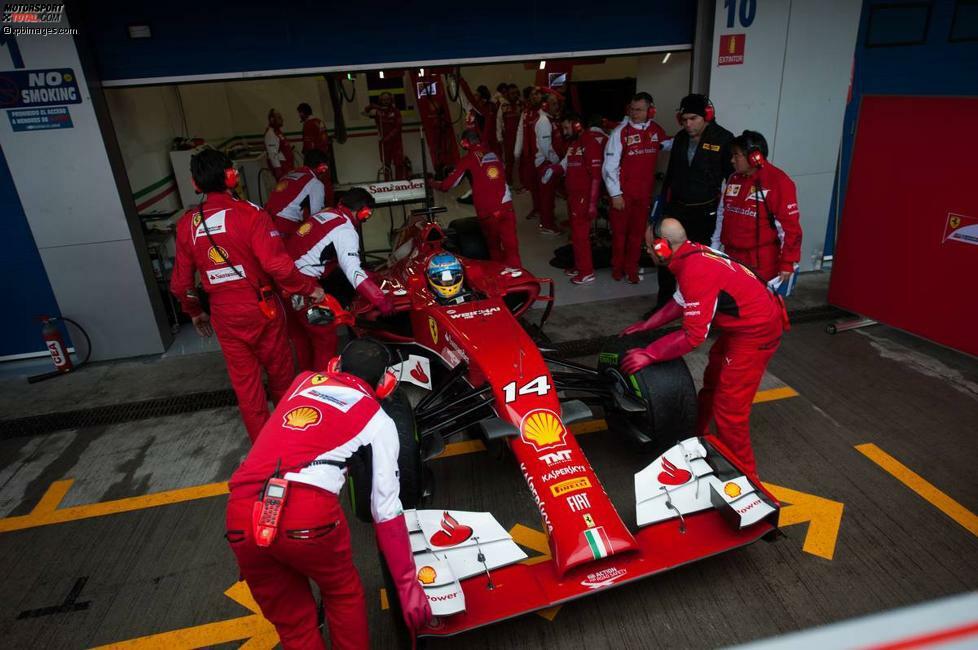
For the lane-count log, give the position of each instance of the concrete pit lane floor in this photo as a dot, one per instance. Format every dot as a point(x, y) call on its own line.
point(114, 532)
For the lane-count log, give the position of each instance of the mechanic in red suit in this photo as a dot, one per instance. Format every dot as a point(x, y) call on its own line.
point(629, 174)
point(525, 148)
point(325, 418)
point(582, 169)
point(750, 317)
point(546, 160)
point(757, 220)
point(314, 134)
point(300, 193)
point(388, 119)
point(507, 122)
point(490, 193)
point(487, 109)
point(239, 254)
point(325, 242)
point(278, 148)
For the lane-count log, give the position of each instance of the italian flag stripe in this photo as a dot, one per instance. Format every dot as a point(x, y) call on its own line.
point(598, 541)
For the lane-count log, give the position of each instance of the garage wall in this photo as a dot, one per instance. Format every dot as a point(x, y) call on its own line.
point(792, 87)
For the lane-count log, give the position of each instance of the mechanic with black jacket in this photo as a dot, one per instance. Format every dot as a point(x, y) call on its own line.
point(699, 164)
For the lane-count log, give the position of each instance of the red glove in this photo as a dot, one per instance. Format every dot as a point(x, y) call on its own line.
point(671, 346)
point(592, 206)
point(666, 314)
point(392, 538)
point(377, 298)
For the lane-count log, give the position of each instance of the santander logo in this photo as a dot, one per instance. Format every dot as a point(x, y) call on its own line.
point(672, 475)
point(451, 532)
point(418, 373)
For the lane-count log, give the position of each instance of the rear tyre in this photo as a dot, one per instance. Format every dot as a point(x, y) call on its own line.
point(360, 469)
point(464, 237)
point(668, 390)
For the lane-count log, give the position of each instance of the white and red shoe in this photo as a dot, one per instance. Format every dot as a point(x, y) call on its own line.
point(582, 279)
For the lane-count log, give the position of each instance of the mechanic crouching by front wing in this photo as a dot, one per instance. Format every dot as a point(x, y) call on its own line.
point(713, 289)
point(238, 252)
point(284, 520)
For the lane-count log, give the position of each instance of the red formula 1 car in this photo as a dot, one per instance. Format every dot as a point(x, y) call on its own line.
point(479, 370)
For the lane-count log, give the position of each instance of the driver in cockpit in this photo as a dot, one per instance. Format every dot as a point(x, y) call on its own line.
point(446, 279)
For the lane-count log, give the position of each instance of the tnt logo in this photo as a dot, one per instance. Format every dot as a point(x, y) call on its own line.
point(578, 502)
point(556, 458)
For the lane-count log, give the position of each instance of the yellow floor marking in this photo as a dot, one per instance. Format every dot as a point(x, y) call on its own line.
point(773, 394)
point(535, 540)
point(384, 603)
point(588, 426)
point(922, 487)
point(46, 511)
point(824, 517)
point(255, 629)
point(463, 447)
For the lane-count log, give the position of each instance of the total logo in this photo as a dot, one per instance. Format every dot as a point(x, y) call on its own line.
point(604, 578)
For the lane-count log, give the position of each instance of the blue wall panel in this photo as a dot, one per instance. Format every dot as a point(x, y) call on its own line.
point(26, 290)
point(936, 67)
point(193, 38)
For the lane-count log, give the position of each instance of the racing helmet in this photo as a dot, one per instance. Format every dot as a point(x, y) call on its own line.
point(445, 275)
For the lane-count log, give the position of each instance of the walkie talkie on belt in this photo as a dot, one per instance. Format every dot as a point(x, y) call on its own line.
point(268, 511)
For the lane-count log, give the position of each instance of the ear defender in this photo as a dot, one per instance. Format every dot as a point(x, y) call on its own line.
point(387, 385)
point(662, 248)
point(577, 127)
point(321, 168)
point(333, 365)
point(364, 213)
point(230, 178)
point(711, 112)
point(756, 158)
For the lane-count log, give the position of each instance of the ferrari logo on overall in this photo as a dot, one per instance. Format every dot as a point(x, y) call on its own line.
point(433, 328)
point(542, 429)
point(954, 222)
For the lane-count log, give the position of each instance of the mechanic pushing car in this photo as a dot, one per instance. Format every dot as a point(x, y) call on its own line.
point(284, 520)
point(325, 241)
point(238, 253)
point(490, 193)
point(713, 289)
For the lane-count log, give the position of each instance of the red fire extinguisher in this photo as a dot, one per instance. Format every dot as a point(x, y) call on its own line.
point(55, 344)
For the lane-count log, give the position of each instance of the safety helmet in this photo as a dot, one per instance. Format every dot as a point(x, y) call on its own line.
point(445, 275)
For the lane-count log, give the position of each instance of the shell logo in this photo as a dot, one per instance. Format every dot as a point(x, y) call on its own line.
point(426, 575)
point(493, 173)
point(542, 429)
point(304, 229)
point(732, 490)
point(217, 255)
point(301, 418)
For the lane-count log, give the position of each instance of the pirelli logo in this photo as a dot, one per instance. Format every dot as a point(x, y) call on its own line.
point(570, 485)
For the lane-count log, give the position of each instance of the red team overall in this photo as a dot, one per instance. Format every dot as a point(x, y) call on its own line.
point(491, 196)
point(507, 123)
point(314, 134)
point(487, 110)
point(300, 193)
point(582, 169)
point(323, 420)
point(388, 119)
point(757, 221)
point(715, 290)
point(629, 174)
point(326, 241)
point(525, 149)
point(277, 147)
point(238, 253)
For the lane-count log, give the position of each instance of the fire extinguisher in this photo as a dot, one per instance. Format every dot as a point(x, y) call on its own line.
point(55, 345)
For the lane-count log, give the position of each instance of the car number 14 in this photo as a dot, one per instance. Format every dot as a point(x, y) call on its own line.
point(538, 386)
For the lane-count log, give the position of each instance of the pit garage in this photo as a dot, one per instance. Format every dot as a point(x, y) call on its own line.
point(553, 498)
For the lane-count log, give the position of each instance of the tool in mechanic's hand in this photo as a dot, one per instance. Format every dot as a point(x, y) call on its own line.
point(328, 311)
point(268, 511)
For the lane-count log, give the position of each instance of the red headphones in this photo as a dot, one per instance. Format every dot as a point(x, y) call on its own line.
point(321, 168)
point(662, 248)
point(464, 144)
point(382, 390)
point(755, 147)
point(363, 213)
point(230, 178)
point(577, 127)
point(711, 113)
point(756, 158)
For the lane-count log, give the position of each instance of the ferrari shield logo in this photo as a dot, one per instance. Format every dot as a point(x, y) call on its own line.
point(954, 222)
point(433, 328)
point(542, 429)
